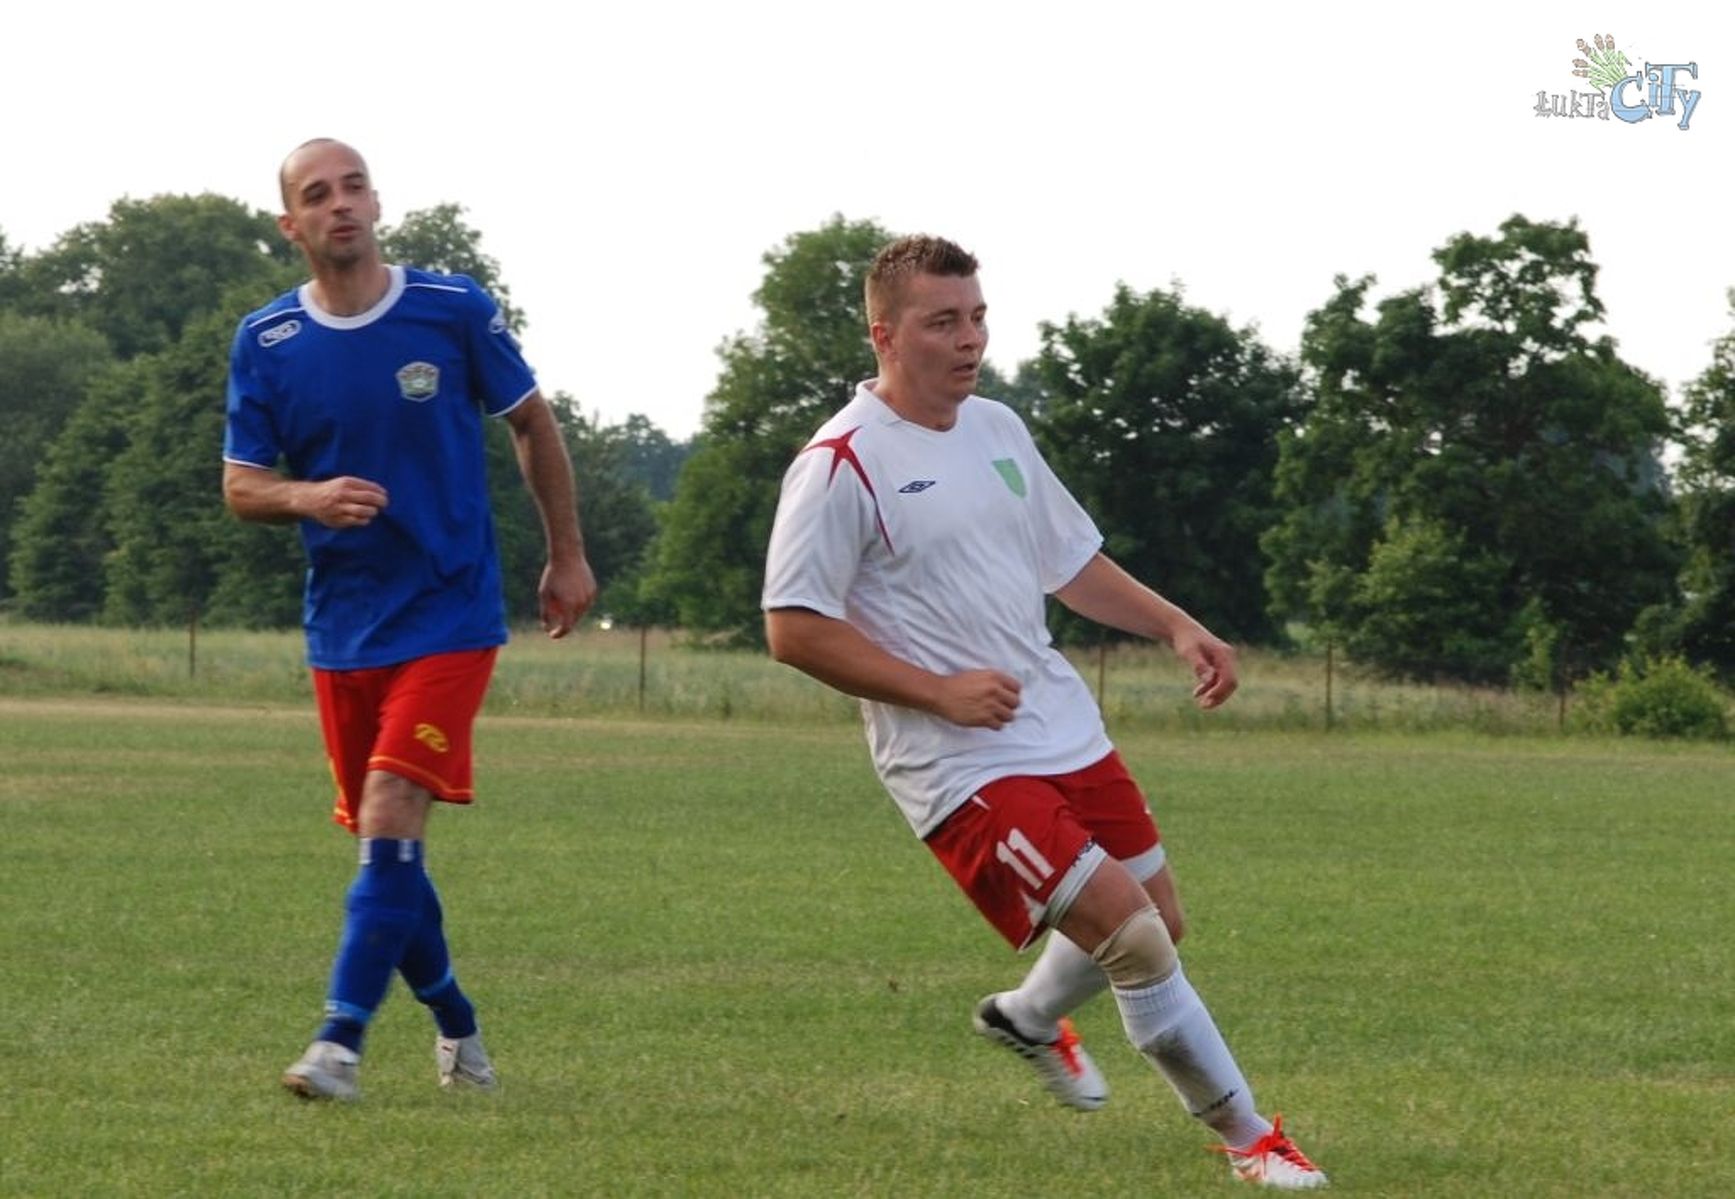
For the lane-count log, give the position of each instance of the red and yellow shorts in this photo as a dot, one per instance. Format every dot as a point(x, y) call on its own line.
point(412, 720)
point(1023, 846)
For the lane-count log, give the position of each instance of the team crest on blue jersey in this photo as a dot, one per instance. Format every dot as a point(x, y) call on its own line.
point(497, 324)
point(282, 331)
point(419, 381)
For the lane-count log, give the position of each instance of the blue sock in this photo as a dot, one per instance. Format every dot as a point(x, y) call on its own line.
point(427, 968)
point(383, 908)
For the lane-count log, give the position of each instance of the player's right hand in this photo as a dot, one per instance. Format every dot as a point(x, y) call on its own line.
point(982, 699)
point(344, 502)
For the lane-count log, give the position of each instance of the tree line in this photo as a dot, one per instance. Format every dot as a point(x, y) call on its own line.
point(1456, 482)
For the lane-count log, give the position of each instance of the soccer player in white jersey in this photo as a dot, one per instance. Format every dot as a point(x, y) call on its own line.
point(916, 539)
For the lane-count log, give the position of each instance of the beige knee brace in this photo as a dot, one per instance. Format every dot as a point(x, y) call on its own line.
point(1139, 953)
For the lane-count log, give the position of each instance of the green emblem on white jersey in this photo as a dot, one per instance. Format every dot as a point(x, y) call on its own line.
point(1013, 477)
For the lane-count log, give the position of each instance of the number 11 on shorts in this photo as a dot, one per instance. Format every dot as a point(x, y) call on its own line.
point(1024, 858)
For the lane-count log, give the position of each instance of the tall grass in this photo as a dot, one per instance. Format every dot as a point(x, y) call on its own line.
point(619, 672)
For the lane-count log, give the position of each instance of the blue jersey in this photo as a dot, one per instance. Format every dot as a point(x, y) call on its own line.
point(395, 396)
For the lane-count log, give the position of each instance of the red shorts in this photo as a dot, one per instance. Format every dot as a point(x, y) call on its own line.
point(1022, 846)
point(412, 720)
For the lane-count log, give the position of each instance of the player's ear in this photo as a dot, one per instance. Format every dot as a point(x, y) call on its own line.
point(286, 226)
point(880, 334)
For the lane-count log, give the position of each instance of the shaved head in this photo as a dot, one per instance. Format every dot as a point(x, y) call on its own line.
point(286, 172)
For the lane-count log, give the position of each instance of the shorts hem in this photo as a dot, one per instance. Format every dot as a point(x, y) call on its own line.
point(427, 779)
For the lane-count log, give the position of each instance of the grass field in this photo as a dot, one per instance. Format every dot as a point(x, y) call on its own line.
point(711, 960)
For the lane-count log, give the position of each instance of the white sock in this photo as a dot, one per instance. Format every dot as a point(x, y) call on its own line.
point(1062, 977)
point(1168, 1023)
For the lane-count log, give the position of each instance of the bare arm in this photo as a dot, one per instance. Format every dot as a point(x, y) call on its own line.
point(264, 495)
point(838, 655)
point(568, 587)
point(1105, 593)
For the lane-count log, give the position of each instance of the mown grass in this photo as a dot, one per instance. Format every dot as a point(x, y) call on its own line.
point(712, 961)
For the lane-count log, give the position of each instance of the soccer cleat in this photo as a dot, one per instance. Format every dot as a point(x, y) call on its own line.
point(326, 1071)
point(462, 1060)
point(1065, 1068)
point(1274, 1161)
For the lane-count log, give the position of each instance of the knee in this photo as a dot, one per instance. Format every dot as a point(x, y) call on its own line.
point(1175, 923)
point(1139, 953)
point(393, 807)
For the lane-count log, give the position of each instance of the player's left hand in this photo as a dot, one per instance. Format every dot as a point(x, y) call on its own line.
point(568, 589)
point(1215, 672)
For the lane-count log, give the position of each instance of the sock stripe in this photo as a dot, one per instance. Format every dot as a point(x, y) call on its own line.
point(426, 993)
point(337, 1009)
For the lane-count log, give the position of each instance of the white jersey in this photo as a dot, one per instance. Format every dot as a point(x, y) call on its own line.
point(940, 547)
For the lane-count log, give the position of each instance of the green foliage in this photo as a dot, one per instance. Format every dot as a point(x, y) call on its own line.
point(707, 568)
point(1163, 420)
point(1702, 625)
point(615, 511)
point(61, 539)
point(1497, 422)
point(777, 385)
point(163, 498)
point(1660, 697)
point(45, 366)
point(144, 275)
point(649, 458)
point(1428, 607)
point(108, 527)
point(12, 286)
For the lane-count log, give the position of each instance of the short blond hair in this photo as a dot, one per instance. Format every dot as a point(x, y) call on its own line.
point(901, 260)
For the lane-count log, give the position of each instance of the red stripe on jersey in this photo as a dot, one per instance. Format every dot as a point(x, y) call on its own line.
point(842, 452)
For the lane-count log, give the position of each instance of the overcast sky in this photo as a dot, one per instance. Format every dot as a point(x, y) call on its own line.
point(628, 165)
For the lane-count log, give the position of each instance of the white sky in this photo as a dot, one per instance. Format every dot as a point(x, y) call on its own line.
point(629, 164)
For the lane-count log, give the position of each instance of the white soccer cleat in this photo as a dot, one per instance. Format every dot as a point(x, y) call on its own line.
point(326, 1071)
point(1063, 1065)
point(463, 1062)
point(1274, 1161)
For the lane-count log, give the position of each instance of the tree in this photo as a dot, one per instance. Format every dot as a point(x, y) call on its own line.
point(1162, 420)
point(1493, 427)
point(615, 509)
point(162, 502)
point(154, 266)
point(1702, 625)
point(11, 277)
point(61, 540)
point(45, 366)
point(651, 459)
point(1427, 599)
point(777, 385)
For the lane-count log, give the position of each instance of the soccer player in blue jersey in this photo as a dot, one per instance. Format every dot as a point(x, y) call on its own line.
point(355, 406)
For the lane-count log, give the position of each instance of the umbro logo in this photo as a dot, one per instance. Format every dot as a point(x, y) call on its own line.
point(917, 485)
